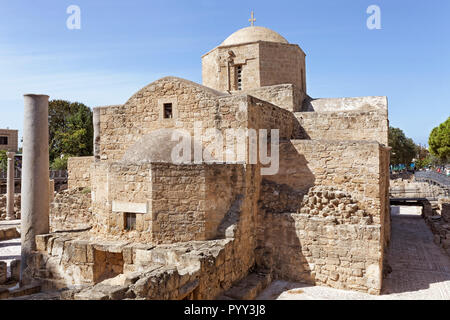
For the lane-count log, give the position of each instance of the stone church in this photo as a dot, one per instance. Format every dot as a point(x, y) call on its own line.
point(134, 224)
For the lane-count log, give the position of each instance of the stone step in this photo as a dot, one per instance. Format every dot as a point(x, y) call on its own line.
point(248, 288)
point(17, 291)
point(7, 233)
point(53, 295)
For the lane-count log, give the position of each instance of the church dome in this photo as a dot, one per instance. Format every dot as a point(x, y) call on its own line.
point(157, 146)
point(253, 34)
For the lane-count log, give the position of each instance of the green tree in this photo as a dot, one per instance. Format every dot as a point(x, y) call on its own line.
point(403, 148)
point(70, 130)
point(439, 141)
point(3, 161)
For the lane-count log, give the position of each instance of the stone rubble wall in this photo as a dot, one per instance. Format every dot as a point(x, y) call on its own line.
point(317, 251)
point(71, 210)
point(17, 206)
point(79, 172)
point(438, 219)
point(409, 188)
point(345, 125)
point(352, 167)
point(333, 234)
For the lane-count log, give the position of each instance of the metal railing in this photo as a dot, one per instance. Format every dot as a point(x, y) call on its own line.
point(54, 174)
point(433, 176)
point(417, 194)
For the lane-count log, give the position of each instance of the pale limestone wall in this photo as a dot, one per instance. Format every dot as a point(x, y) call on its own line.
point(215, 72)
point(71, 210)
point(263, 64)
point(285, 96)
point(264, 115)
point(334, 238)
point(313, 250)
point(385, 206)
point(200, 269)
point(13, 141)
point(101, 203)
point(368, 103)
point(178, 203)
point(118, 182)
point(282, 63)
point(350, 125)
point(182, 202)
point(352, 167)
point(79, 172)
point(123, 126)
point(212, 71)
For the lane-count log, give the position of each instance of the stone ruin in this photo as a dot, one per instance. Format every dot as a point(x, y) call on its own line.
point(135, 225)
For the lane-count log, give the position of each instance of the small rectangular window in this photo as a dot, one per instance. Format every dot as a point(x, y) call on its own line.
point(4, 141)
point(130, 221)
point(168, 111)
point(239, 77)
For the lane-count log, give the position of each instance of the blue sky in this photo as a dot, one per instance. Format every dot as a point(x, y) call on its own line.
point(124, 45)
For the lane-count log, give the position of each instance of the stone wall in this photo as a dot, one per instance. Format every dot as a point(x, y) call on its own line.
point(180, 202)
point(128, 269)
point(79, 172)
point(317, 251)
point(332, 229)
point(13, 140)
point(286, 96)
point(438, 219)
point(264, 115)
point(385, 205)
point(282, 63)
point(71, 210)
point(215, 67)
point(369, 103)
point(123, 126)
point(345, 125)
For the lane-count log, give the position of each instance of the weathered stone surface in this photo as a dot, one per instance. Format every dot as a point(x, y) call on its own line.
point(15, 270)
point(3, 274)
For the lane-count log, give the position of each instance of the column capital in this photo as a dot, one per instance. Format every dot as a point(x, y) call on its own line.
point(10, 154)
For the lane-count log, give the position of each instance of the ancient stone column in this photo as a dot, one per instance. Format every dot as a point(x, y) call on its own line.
point(96, 123)
point(10, 187)
point(35, 178)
